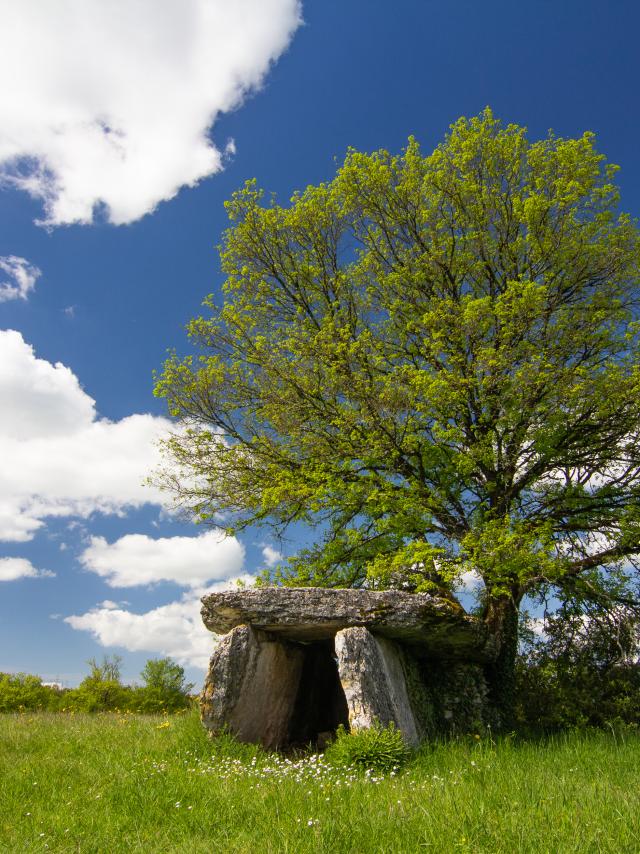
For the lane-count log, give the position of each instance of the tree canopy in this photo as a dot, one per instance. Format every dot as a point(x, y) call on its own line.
point(166, 676)
point(434, 361)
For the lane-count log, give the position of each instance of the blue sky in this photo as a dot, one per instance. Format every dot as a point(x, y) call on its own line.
point(124, 126)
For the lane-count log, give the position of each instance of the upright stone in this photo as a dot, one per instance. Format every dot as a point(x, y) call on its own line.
point(251, 687)
point(373, 679)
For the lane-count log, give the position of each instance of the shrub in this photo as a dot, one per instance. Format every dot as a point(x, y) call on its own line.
point(165, 690)
point(379, 748)
point(20, 691)
point(165, 687)
point(152, 700)
point(98, 695)
point(584, 672)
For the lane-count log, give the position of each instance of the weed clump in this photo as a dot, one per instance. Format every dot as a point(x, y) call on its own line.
point(378, 748)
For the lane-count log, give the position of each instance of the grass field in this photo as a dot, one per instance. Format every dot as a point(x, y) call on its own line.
point(111, 783)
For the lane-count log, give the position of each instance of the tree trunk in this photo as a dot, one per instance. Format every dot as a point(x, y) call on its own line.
point(502, 619)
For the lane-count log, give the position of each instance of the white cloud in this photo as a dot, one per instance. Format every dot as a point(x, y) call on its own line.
point(13, 568)
point(537, 626)
point(175, 629)
point(38, 399)
point(271, 556)
point(109, 605)
point(470, 582)
point(109, 103)
point(190, 561)
point(58, 458)
point(22, 277)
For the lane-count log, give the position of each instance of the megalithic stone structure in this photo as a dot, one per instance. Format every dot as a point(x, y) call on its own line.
point(294, 664)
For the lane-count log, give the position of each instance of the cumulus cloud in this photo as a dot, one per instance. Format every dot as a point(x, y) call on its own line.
point(109, 605)
point(58, 458)
point(109, 105)
point(271, 556)
point(175, 629)
point(22, 277)
point(189, 561)
point(38, 399)
point(13, 568)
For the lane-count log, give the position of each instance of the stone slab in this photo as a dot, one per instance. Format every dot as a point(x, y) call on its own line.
point(251, 687)
point(433, 626)
point(373, 679)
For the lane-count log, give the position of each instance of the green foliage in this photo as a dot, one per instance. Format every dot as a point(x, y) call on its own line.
point(97, 695)
point(584, 673)
point(377, 748)
point(108, 670)
point(22, 692)
point(153, 700)
point(165, 690)
point(434, 361)
point(102, 690)
point(165, 687)
point(165, 675)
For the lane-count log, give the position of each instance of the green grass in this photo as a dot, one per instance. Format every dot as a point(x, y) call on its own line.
point(110, 783)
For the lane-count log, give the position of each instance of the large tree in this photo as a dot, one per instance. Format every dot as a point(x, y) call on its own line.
point(434, 361)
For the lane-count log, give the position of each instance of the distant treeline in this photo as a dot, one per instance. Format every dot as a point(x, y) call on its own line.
point(164, 689)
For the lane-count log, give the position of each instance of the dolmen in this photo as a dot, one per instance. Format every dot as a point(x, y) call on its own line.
point(295, 663)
